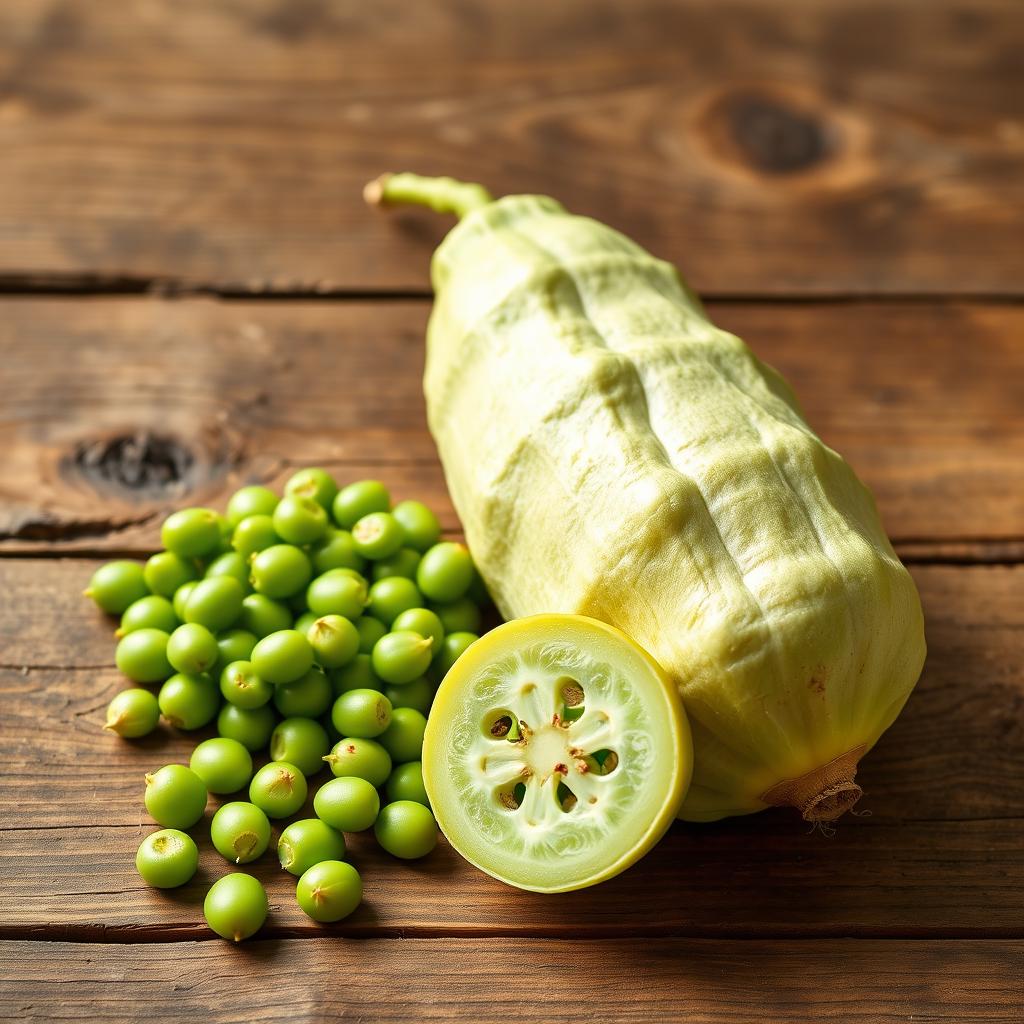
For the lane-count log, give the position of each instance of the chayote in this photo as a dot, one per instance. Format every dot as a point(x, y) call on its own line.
point(613, 453)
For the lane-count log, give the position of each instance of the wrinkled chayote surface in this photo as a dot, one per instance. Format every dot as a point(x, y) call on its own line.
point(613, 453)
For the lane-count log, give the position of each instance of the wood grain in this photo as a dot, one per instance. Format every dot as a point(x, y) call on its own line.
point(805, 148)
point(939, 855)
point(321, 980)
point(925, 400)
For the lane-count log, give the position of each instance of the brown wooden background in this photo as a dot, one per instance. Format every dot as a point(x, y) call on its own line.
point(184, 255)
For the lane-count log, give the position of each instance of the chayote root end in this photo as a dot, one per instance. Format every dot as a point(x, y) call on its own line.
point(823, 794)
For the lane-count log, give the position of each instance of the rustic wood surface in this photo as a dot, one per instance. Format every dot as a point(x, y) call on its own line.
point(192, 296)
point(806, 147)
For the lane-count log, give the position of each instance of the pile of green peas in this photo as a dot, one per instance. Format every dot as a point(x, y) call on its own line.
point(312, 628)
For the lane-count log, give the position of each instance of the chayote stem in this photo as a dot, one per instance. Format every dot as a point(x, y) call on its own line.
point(444, 195)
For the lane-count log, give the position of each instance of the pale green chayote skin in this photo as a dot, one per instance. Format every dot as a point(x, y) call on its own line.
point(611, 452)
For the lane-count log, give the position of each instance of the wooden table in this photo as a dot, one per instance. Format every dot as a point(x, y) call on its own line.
point(194, 296)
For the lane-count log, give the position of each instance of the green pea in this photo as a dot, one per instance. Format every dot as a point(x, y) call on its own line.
point(445, 572)
point(299, 520)
point(192, 648)
point(406, 783)
point(192, 532)
point(240, 831)
point(232, 564)
point(302, 742)
point(262, 615)
point(243, 686)
point(419, 524)
point(167, 859)
point(337, 592)
point(403, 738)
point(401, 657)
point(391, 596)
point(278, 789)
point(252, 727)
point(142, 655)
point(359, 499)
point(336, 551)
point(306, 697)
point(329, 891)
point(370, 630)
point(165, 572)
point(461, 616)
point(280, 571)
point(377, 535)
point(236, 906)
point(406, 829)
point(307, 842)
point(250, 501)
point(403, 562)
point(419, 694)
point(234, 645)
point(366, 759)
point(335, 641)
point(181, 596)
point(117, 585)
point(358, 674)
point(149, 612)
point(215, 603)
point(175, 796)
point(253, 535)
point(313, 483)
point(349, 803)
point(452, 647)
point(282, 657)
point(189, 701)
point(223, 764)
point(361, 713)
point(133, 713)
point(424, 622)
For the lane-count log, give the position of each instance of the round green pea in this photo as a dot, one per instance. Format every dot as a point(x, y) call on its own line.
point(419, 524)
point(361, 713)
point(359, 499)
point(192, 532)
point(189, 701)
point(337, 592)
point(215, 603)
point(133, 713)
point(406, 829)
point(401, 657)
point(234, 645)
point(336, 551)
point(282, 657)
point(165, 572)
point(142, 655)
point(224, 765)
point(232, 564)
point(167, 859)
point(242, 686)
point(280, 571)
point(302, 742)
point(240, 831)
point(452, 647)
point(117, 585)
point(192, 648)
point(307, 842)
point(252, 727)
point(254, 534)
point(406, 783)
point(314, 483)
point(250, 501)
point(262, 615)
point(306, 697)
point(329, 891)
point(175, 796)
point(424, 622)
point(299, 520)
point(391, 596)
point(366, 759)
point(445, 571)
point(180, 598)
point(377, 535)
point(278, 789)
point(403, 738)
point(335, 641)
point(149, 612)
point(348, 803)
point(236, 906)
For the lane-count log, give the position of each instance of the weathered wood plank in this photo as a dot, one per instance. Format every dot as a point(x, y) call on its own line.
point(938, 856)
point(926, 401)
point(320, 980)
point(804, 148)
